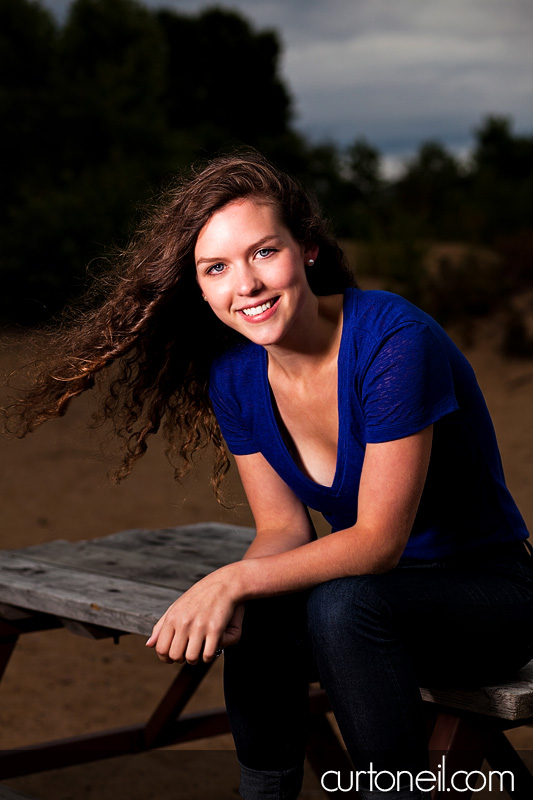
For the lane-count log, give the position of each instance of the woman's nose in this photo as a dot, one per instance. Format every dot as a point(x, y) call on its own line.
point(248, 281)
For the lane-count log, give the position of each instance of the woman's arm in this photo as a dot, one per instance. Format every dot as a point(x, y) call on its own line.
point(392, 481)
point(282, 521)
point(285, 557)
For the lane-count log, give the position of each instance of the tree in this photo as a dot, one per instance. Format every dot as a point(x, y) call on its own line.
point(499, 151)
point(99, 112)
point(222, 80)
point(502, 179)
point(364, 165)
point(96, 142)
point(364, 172)
point(113, 71)
point(429, 191)
point(28, 40)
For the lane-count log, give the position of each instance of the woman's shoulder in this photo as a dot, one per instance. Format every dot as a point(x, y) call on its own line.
point(235, 364)
point(378, 313)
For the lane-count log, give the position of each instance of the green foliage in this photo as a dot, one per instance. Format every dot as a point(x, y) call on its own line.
point(28, 40)
point(112, 73)
point(484, 203)
point(430, 189)
point(369, 191)
point(501, 188)
point(321, 172)
point(221, 78)
point(95, 114)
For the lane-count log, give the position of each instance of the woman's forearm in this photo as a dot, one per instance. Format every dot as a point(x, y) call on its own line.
point(390, 488)
point(274, 541)
point(347, 552)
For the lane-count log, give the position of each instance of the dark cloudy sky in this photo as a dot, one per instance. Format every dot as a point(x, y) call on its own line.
point(395, 71)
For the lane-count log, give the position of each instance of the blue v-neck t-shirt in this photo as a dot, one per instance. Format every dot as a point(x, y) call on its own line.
point(398, 372)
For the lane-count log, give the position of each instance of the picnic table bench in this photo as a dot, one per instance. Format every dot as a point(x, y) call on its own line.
point(88, 586)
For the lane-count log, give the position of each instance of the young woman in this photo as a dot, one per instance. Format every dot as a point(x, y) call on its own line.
point(233, 312)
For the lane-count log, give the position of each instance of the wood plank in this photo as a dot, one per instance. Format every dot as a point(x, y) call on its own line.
point(197, 531)
point(204, 547)
point(119, 604)
point(207, 540)
point(512, 700)
point(124, 581)
point(91, 556)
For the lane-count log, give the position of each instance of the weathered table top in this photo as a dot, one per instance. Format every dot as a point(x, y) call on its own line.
point(125, 581)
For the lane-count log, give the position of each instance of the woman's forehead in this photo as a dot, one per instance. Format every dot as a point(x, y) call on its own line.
point(244, 217)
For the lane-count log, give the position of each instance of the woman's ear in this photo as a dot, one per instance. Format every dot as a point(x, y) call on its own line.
point(310, 253)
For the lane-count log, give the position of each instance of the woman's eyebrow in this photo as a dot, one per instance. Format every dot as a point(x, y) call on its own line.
point(270, 237)
point(263, 241)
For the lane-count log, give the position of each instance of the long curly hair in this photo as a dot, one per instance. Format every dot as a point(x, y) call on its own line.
point(151, 342)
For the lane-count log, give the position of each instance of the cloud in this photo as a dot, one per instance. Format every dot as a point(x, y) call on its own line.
point(398, 78)
point(395, 71)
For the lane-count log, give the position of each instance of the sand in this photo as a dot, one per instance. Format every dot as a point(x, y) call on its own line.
point(54, 485)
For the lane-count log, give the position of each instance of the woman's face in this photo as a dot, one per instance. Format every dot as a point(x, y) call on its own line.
point(252, 271)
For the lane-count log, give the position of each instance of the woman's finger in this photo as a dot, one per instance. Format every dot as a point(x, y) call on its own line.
point(233, 631)
point(212, 646)
point(229, 637)
point(150, 642)
point(194, 647)
point(167, 645)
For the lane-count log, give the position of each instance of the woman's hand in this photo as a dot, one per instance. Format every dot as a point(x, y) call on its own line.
point(207, 618)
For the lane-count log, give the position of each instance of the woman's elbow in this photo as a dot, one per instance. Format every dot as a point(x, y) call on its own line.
point(385, 559)
point(386, 563)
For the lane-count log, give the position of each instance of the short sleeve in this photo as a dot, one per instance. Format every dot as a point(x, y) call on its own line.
point(236, 429)
point(407, 384)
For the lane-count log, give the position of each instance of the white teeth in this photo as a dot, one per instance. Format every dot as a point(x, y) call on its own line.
point(253, 312)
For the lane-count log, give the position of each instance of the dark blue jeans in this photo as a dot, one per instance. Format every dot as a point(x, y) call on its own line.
point(373, 639)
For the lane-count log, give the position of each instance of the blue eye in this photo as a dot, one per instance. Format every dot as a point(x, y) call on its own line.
point(215, 269)
point(264, 252)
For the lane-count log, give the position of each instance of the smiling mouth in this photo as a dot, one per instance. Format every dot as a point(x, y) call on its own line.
point(254, 311)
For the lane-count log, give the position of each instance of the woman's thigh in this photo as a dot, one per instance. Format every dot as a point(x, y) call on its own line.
point(465, 621)
point(473, 623)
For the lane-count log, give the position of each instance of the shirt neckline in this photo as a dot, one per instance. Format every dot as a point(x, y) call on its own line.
point(341, 393)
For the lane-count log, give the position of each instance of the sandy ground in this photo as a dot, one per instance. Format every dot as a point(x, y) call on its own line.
point(54, 485)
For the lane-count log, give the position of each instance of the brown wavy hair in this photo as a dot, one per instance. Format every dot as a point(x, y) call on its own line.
point(151, 342)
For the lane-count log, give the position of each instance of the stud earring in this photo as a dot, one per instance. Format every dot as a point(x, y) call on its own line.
point(310, 262)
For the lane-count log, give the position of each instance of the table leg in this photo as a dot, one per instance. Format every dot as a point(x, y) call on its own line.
point(160, 730)
point(180, 692)
point(503, 757)
point(459, 745)
point(8, 641)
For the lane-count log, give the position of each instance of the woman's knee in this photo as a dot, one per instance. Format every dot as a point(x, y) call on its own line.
point(280, 619)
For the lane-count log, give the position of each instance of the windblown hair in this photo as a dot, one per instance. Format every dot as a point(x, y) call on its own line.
point(155, 330)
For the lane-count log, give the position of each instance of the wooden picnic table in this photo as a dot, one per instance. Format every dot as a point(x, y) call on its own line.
point(122, 583)
point(107, 587)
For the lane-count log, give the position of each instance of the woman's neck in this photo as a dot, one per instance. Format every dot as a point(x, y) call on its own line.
point(315, 340)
